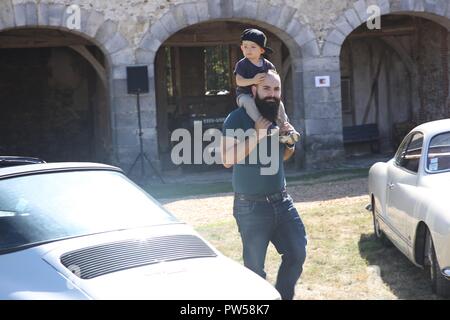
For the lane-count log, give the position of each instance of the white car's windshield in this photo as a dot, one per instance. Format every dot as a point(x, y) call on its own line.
point(44, 207)
point(439, 153)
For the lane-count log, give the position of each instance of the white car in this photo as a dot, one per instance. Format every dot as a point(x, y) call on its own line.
point(85, 231)
point(410, 200)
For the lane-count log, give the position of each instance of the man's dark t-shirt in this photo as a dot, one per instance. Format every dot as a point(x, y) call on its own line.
point(247, 178)
point(246, 69)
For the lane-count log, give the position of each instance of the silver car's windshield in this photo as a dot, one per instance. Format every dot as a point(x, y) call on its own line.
point(44, 207)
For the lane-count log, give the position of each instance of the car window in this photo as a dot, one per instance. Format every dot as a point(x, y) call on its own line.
point(438, 156)
point(44, 207)
point(409, 157)
point(401, 150)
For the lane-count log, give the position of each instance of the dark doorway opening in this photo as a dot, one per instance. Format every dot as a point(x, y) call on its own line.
point(195, 80)
point(394, 78)
point(53, 104)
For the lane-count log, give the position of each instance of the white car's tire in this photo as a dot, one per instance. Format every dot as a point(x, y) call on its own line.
point(439, 284)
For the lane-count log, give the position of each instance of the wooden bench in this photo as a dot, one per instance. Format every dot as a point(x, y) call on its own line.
point(364, 133)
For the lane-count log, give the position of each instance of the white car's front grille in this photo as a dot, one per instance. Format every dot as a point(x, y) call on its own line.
point(110, 257)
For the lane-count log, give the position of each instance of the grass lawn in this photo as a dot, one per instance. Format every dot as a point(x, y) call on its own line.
point(343, 259)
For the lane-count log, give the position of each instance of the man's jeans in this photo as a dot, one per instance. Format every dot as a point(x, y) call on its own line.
point(260, 222)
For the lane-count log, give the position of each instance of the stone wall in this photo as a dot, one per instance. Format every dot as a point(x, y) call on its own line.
point(135, 16)
point(130, 32)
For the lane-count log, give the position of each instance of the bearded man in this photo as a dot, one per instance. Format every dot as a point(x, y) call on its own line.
point(263, 209)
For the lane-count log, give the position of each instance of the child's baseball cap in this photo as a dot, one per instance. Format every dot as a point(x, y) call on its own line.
point(257, 37)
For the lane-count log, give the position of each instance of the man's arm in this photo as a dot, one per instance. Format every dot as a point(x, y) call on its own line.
point(288, 152)
point(234, 151)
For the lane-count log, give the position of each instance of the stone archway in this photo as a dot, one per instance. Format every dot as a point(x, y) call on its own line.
point(99, 31)
point(279, 20)
point(355, 17)
point(352, 18)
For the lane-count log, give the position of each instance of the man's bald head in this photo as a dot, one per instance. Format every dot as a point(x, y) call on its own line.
point(270, 87)
point(267, 95)
point(273, 75)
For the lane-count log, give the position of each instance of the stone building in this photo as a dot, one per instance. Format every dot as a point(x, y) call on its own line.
point(63, 87)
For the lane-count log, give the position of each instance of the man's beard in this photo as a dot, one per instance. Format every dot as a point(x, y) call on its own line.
point(268, 107)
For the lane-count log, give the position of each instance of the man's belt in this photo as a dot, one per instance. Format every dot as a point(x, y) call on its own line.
point(262, 197)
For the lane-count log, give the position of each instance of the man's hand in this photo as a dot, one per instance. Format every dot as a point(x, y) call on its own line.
point(259, 78)
point(286, 127)
point(261, 126)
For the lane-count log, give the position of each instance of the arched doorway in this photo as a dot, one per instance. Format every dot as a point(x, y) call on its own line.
point(53, 93)
point(396, 77)
point(195, 80)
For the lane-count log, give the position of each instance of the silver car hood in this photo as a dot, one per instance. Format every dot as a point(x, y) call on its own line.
point(42, 275)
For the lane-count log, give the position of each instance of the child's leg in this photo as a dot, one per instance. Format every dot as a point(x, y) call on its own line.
point(247, 101)
point(282, 116)
point(290, 137)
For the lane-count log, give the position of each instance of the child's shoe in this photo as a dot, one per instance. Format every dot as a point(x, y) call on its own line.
point(291, 137)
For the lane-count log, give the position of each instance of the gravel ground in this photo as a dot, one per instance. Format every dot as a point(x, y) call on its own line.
point(198, 210)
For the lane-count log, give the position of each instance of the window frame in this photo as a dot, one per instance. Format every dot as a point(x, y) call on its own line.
point(400, 155)
point(427, 153)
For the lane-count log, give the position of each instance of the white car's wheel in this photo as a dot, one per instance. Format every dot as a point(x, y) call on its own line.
point(379, 234)
point(439, 284)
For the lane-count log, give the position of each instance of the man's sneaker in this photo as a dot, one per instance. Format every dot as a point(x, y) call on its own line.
point(272, 129)
point(290, 137)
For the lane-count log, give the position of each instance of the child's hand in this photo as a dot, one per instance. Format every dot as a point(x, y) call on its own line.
point(286, 127)
point(259, 78)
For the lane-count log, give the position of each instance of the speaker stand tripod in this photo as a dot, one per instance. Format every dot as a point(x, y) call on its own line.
point(142, 156)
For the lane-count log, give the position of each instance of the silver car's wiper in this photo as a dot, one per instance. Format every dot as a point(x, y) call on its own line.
point(39, 243)
point(27, 246)
point(34, 244)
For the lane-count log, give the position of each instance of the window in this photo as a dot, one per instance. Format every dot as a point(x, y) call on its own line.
point(217, 66)
point(438, 158)
point(409, 157)
point(401, 150)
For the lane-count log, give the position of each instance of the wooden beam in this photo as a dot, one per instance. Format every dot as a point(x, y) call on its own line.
point(373, 88)
point(401, 31)
point(199, 44)
point(276, 57)
point(410, 65)
point(285, 69)
point(98, 67)
point(38, 44)
point(212, 34)
point(234, 58)
point(39, 39)
point(352, 81)
point(179, 109)
point(402, 53)
point(162, 124)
